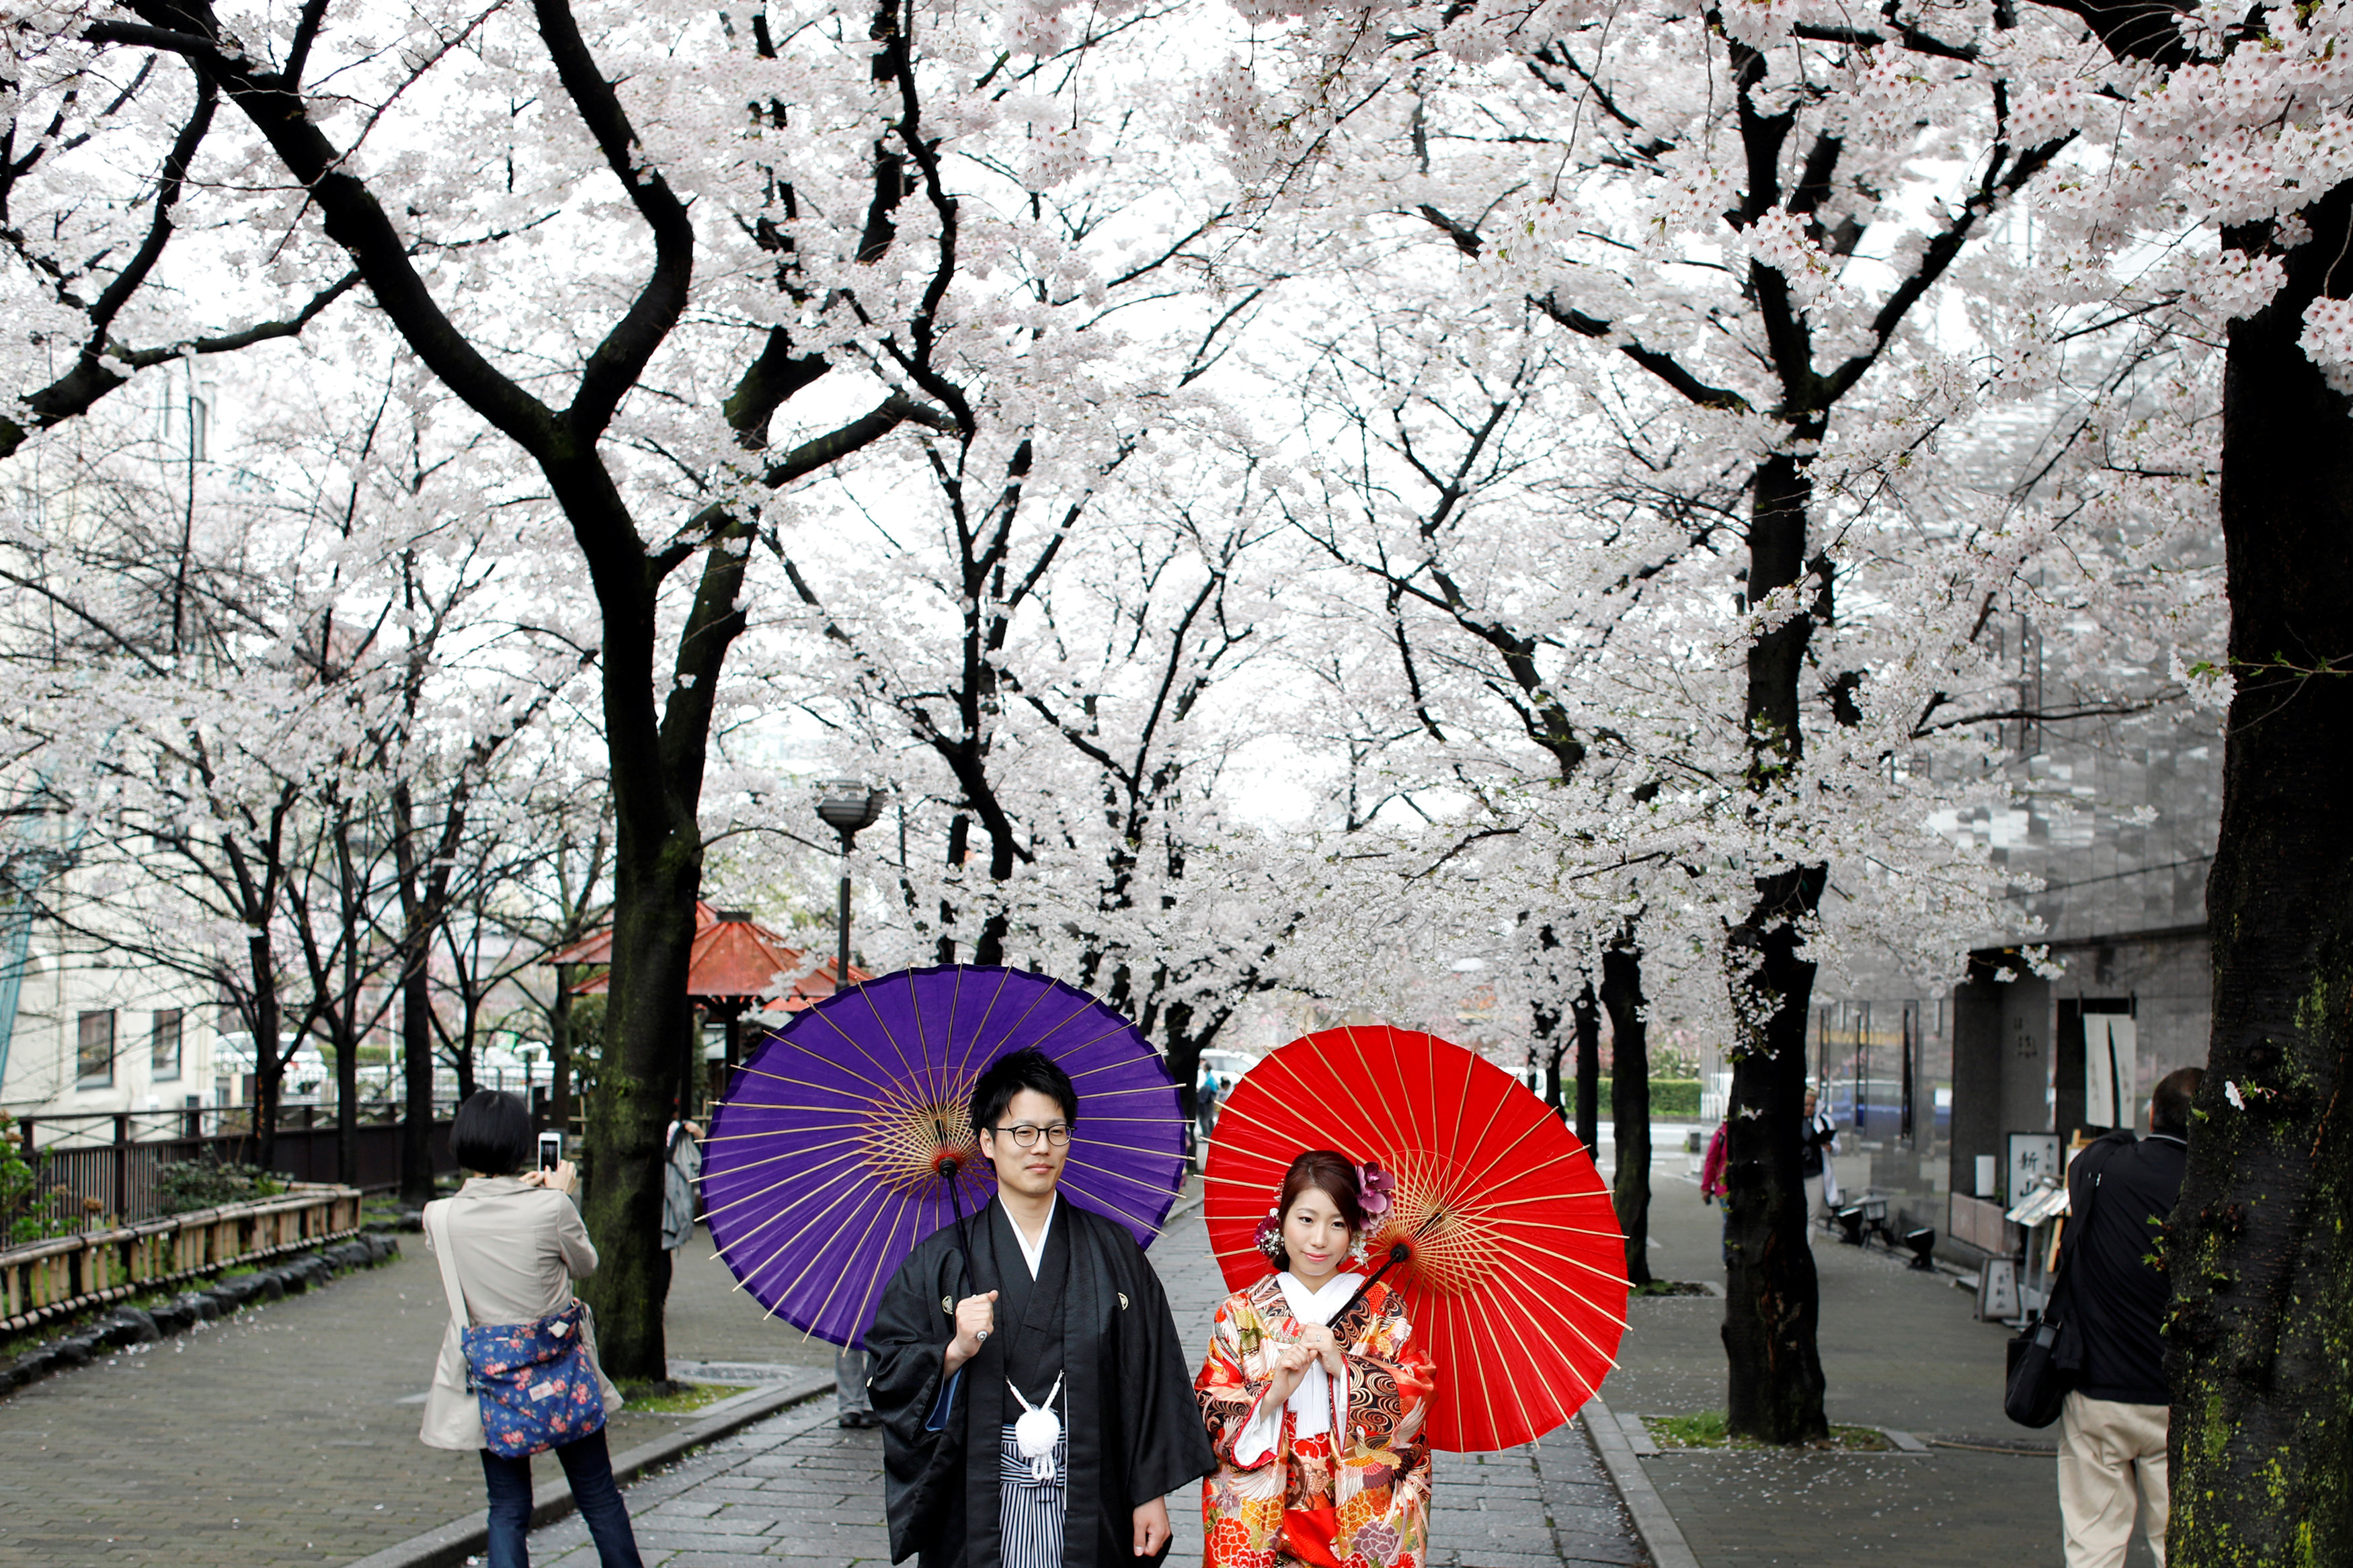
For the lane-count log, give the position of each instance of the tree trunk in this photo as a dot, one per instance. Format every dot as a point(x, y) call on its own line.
point(416, 1075)
point(655, 876)
point(1185, 1047)
point(1586, 1013)
point(1771, 1298)
point(268, 1069)
point(559, 1052)
point(2260, 1248)
point(347, 1109)
point(1630, 1104)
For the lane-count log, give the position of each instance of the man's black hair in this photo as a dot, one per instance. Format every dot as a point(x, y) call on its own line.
point(2168, 1107)
point(1008, 1075)
point(492, 1133)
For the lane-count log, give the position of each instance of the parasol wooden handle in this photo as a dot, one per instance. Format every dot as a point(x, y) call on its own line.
point(1398, 1252)
point(948, 1167)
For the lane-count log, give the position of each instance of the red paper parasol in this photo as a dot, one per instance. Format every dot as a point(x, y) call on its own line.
point(1516, 1271)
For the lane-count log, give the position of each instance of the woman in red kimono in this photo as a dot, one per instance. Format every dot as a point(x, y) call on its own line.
point(1317, 1422)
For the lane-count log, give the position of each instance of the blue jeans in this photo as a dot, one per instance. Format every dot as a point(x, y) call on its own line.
point(588, 1470)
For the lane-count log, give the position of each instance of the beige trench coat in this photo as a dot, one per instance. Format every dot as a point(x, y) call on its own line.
point(517, 1247)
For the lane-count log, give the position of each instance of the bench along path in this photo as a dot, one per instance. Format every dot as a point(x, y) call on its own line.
point(797, 1487)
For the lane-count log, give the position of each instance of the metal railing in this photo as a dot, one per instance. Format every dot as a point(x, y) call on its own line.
point(96, 1169)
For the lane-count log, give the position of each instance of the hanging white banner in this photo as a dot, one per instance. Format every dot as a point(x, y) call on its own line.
point(2110, 1043)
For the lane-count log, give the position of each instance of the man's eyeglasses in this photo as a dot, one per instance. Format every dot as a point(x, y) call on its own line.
point(1025, 1134)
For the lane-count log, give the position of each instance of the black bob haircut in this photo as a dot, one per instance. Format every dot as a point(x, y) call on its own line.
point(492, 1133)
point(1008, 1075)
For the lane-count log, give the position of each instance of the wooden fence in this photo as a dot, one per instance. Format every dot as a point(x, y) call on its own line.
point(45, 1279)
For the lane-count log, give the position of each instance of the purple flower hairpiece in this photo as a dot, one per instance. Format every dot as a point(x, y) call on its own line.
point(1375, 1188)
point(1268, 1237)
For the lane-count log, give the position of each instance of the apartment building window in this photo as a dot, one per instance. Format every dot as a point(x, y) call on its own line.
point(163, 1063)
point(94, 1051)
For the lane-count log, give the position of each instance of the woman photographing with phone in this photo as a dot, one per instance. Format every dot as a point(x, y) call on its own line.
point(1314, 1390)
point(517, 1374)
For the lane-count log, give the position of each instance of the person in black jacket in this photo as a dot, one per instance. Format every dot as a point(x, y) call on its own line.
point(2113, 1429)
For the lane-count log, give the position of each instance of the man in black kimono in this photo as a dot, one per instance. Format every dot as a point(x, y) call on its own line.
point(1048, 1308)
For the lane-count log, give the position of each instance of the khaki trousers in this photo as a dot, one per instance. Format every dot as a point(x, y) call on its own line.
point(2102, 1447)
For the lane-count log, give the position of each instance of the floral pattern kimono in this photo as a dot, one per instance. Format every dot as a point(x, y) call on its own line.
point(1372, 1467)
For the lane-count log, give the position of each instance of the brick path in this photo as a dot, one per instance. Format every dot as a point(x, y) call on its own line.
point(797, 1487)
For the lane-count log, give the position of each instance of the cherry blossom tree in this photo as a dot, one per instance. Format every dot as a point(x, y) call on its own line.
point(679, 294)
point(237, 694)
point(1755, 217)
point(93, 166)
point(2225, 206)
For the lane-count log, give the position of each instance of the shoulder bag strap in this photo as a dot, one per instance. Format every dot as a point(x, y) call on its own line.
point(2068, 1245)
point(436, 1220)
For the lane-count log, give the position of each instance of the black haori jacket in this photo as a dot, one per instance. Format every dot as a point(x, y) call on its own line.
point(1134, 1428)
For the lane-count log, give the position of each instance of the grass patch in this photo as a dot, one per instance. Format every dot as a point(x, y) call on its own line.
point(1670, 1287)
point(1707, 1430)
point(665, 1399)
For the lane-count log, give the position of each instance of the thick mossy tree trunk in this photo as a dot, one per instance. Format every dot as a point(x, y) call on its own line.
point(2260, 1346)
point(1585, 1011)
point(657, 759)
point(655, 876)
point(1630, 1104)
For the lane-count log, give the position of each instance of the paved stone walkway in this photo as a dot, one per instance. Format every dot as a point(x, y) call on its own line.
point(1900, 1349)
point(287, 1434)
point(797, 1487)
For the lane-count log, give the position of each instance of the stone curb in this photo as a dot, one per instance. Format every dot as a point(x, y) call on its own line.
point(448, 1545)
point(1660, 1537)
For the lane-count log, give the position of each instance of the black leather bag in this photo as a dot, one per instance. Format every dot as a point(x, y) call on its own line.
point(2038, 1385)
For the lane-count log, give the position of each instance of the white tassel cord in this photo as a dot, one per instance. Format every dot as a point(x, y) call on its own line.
point(1037, 1432)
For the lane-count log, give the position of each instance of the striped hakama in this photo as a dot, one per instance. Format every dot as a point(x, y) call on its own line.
point(1031, 1510)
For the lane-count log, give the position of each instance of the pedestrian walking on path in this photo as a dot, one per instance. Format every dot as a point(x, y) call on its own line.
point(2113, 1429)
point(1056, 1440)
point(1315, 1396)
point(681, 1168)
point(1821, 1143)
point(510, 1244)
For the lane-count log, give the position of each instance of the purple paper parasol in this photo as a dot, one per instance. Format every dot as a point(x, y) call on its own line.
point(844, 1140)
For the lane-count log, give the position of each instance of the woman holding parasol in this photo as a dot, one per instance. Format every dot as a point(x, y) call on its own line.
point(1315, 1391)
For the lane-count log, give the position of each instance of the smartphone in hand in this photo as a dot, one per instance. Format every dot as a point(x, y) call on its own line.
point(550, 1151)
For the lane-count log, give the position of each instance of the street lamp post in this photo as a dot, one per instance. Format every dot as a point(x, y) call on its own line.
point(848, 808)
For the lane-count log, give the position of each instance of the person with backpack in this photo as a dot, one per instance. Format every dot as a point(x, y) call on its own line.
point(518, 1373)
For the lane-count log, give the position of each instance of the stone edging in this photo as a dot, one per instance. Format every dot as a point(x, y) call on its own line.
point(450, 1545)
point(1660, 1537)
point(327, 1256)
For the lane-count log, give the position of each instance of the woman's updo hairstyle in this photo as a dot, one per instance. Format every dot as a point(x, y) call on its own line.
point(1328, 1171)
